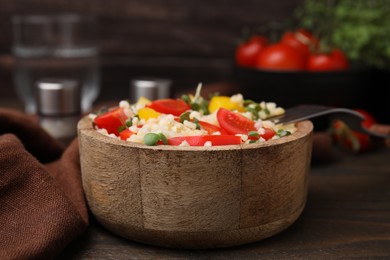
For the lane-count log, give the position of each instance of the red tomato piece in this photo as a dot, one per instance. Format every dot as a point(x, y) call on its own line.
point(301, 40)
point(234, 123)
point(369, 118)
point(125, 134)
point(247, 52)
point(200, 140)
point(170, 106)
point(268, 134)
point(351, 140)
point(210, 128)
point(281, 56)
point(335, 60)
point(111, 120)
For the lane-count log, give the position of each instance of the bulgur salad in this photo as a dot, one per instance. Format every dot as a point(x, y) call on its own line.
point(192, 121)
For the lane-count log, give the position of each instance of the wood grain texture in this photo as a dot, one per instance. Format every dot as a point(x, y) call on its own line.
point(347, 216)
point(195, 197)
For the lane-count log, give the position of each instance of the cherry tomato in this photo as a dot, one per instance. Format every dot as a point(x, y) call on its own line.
point(170, 106)
point(210, 128)
point(281, 56)
point(369, 118)
point(111, 120)
point(268, 134)
point(125, 134)
point(234, 123)
point(301, 40)
point(247, 52)
point(351, 140)
point(335, 60)
point(200, 140)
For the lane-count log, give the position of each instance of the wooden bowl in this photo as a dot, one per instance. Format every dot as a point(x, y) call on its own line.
point(195, 197)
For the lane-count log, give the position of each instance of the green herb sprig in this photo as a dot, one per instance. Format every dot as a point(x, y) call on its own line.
point(361, 28)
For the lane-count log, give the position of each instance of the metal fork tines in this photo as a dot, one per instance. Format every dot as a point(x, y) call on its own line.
point(304, 112)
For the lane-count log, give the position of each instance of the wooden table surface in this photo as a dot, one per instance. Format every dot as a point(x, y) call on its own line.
point(347, 215)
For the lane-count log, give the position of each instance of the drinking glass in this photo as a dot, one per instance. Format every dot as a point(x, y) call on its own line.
point(55, 46)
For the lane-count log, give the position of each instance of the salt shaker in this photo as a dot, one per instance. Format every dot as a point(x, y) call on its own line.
point(59, 107)
point(150, 88)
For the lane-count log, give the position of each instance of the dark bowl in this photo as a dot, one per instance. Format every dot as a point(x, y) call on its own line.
point(357, 87)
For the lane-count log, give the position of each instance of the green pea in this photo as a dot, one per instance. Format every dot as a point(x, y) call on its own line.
point(151, 139)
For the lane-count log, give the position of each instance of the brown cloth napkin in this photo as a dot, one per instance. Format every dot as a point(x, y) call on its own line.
point(42, 206)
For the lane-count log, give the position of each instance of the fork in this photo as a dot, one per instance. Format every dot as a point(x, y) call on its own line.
point(303, 112)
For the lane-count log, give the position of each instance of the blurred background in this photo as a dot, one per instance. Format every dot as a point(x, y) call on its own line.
point(189, 42)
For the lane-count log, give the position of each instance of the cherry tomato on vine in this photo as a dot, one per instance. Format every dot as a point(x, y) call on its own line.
point(301, 40)
point(247, 52)
point(281, 56)
point(335, 60)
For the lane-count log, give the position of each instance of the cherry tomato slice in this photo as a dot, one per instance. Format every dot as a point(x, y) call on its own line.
point(210, 128)
point(111, 120)
point(268, 134)
point(170, 106)
point(200, 140)
point(234, 123)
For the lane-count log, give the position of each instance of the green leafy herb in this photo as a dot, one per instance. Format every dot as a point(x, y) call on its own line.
point(121, 128)
point(195, 106)
point(196, 122)
point(129, 122)
point(254, 134)
point(267, 112)
point(254, 109)
point(186, 99)
point(361, 28)
point(282, 133)
point(184, 116)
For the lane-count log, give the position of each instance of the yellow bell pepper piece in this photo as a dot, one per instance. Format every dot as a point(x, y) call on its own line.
point(223, 101)
point(147, 112)
point(142, 101)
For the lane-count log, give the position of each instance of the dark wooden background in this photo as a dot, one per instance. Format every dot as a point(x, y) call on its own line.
point(189, 41)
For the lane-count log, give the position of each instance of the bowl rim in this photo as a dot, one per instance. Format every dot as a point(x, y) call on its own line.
point(85, 127)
